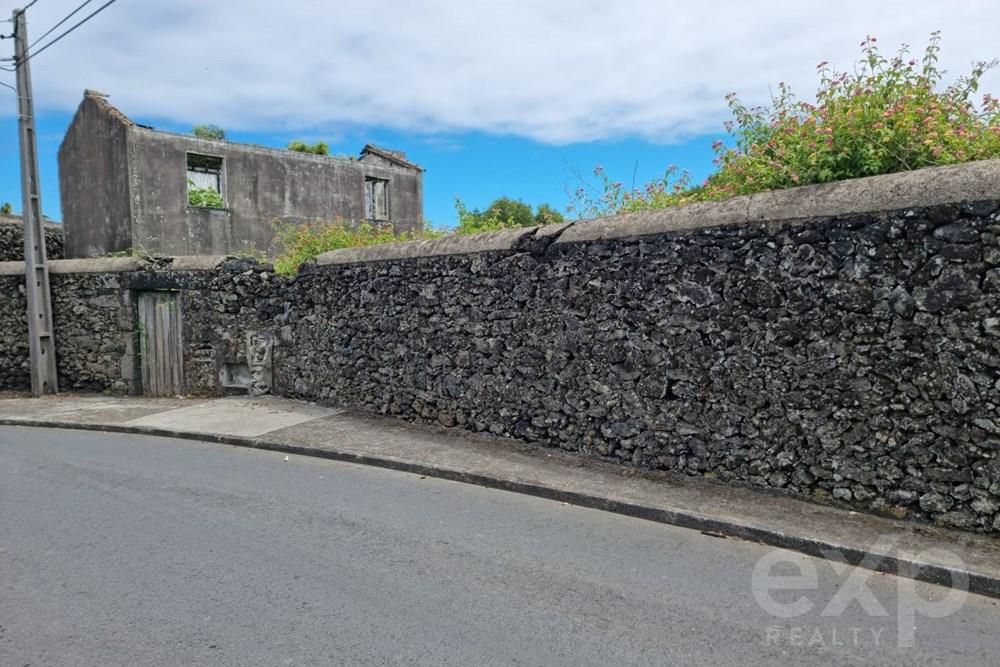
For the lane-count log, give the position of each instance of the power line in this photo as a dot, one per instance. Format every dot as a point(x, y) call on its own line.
point(7, 85)
point(66, 32)
point(64, 19)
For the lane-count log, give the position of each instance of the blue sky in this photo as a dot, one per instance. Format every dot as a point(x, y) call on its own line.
point(505, 97)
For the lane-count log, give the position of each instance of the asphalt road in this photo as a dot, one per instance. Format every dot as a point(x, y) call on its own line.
point(127, 550)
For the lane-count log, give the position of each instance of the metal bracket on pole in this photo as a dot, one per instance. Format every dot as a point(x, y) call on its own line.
point(36, 271)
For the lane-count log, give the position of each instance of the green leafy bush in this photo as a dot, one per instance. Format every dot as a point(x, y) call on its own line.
point(208, 132)
point(303, 242)
point(887, 115)
point(503, 213)
point(204, 197)
point(318, 148)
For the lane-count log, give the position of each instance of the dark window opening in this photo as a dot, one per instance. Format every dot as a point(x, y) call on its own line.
point(204, 181)
point(377, 199)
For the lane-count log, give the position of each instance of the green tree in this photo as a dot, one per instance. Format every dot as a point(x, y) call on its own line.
point(208, 132)
point(546, 215)
point(6, 209)
point(503, 213)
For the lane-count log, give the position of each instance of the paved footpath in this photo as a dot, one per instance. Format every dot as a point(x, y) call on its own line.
point(295, 427)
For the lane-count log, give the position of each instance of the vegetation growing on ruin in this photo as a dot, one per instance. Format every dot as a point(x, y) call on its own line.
point(204, 197)
point(318, 148)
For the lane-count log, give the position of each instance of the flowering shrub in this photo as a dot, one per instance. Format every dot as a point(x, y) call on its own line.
point(301, 243)
point(888, 115)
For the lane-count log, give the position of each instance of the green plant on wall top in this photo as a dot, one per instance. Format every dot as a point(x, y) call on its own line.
point(885, 116)
point(204, 197)
point(208, 132)
point(318, 148)
point(303, 242)
point(6, 209)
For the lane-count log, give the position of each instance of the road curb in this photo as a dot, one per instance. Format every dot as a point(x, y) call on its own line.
point(829, 549)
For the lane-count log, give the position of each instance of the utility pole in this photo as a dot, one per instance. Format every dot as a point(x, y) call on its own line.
point(36, 271)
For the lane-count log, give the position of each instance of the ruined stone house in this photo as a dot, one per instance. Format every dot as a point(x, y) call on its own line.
point(126, 186)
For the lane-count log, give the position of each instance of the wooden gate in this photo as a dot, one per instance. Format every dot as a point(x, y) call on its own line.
point(160, 344)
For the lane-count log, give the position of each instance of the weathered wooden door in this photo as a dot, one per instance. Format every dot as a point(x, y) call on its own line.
point(160, 344)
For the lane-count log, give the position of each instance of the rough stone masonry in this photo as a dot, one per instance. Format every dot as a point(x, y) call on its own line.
point(838, 342)
point(12, 240)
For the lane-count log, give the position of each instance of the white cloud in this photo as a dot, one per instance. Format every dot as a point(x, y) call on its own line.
point(556, 71)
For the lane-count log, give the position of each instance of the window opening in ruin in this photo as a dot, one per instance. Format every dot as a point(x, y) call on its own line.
point(204, 181)
point(376, 199)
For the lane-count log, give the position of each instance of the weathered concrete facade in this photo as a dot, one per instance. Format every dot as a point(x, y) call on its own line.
point(839, 342)
point(125, 186)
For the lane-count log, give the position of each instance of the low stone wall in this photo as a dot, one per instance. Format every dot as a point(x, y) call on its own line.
point(13, 328)
point(837, 342)
point(12, 240)
point(94, 324)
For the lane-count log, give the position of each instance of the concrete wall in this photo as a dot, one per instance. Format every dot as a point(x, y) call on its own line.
point(93, 181)
point(124, 186)
point(262, 186)
point(12, 240)
point(837, 342)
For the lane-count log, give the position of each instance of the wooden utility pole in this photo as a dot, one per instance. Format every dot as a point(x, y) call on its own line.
point(36, 271)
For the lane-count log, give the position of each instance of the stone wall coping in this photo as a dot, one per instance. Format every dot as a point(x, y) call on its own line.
point(120, 265)
point(15, 221)
point(11, 268)
point(96, 265)
point(453, 244)
point(932, 186)
point(197, 262)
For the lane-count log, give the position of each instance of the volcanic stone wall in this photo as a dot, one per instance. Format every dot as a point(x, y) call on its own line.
point(12, 240)
point(838, 342)
point(13, 329)
point(850, 358)
point(94, 323)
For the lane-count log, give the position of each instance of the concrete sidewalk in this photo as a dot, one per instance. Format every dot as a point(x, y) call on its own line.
point(301, 428)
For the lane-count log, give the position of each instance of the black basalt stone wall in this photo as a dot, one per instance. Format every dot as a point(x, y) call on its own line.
point(13, 334)
point(851, 359)
point(94, 324)
point(856, 359)
point(12, 240)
